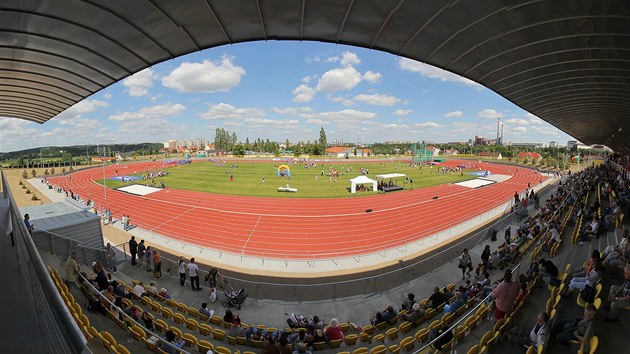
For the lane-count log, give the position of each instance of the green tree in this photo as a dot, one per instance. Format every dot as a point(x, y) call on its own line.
point(238, 150)
point(66, 156)
point(52, 171)
point(286, 144)
point(33, 173)
point(24, 174)
point(323, 144)
point(248, 146)
point(70, 169)
point(63, 170)
point(46, 173)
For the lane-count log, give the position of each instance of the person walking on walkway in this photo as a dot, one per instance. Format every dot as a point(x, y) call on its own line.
point(465, 262)
point(111, 257)
point(133, 249)
point(182, 271)
point(193, 272)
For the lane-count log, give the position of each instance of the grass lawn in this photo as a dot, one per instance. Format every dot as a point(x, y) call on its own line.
point(214, 177)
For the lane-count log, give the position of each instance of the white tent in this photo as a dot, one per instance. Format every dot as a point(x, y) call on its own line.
point(391, 175)
point(362, 180)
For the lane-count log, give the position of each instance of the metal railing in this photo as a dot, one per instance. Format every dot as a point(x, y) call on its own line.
point(466, 316)
point(336, 287)
point(96, 293)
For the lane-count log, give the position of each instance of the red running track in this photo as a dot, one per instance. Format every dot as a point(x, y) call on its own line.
point(304, 228)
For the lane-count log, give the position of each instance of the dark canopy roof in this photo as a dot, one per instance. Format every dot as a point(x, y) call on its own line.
point(567, 62)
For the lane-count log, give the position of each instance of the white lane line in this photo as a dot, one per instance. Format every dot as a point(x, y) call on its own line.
point(250, 235)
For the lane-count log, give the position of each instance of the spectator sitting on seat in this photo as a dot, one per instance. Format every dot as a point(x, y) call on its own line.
point(138, 289)
point(576, 329)
point(283, 345)
point(522, 279)
point(416, 313)
point(315, 323)
point(164, 294)
point(460, 300)
point(109, 295)
point(205, 311)
point(623, 258)
point(554, 237)
point(590, 264)
point(388, 314)
point(228, 317)
point(591, 229)
point(532, 272)
point(120, 290)
point(318, 336)
point(549, 269)
point(619, 297)
point(333, 332)
point(152, 287)
point(300, 348)
point(101, 276)
point(171, 338)
point(614, 252)
point(535, 337)
point(299, 337)
point(148, 321)
point(437, 298)
point(591, 279)
point(408, 301)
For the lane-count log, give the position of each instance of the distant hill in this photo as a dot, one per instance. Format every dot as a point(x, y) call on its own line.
point(52, 152)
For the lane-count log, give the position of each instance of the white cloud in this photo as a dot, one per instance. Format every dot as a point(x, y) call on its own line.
point(488, 113)
point(262, 122)
point(107, 96)
point(226, 111)
point(518, 121)
point(150, 113)
point(372, 77)
point(80, 108)
point(292, 111)
point(317, 121)
point(340, 99)
point(303, 93)
point(518, 130)
point(432, 72)
point(454, 114)
point(402, 112)
point(349, 59)
point(535, 120)
point(548, 130)
point(377, 99)
point(308, 79)
point(339, 79)
point(427, 125)
point(347, 116)
point(206, 76)
point(140, 83)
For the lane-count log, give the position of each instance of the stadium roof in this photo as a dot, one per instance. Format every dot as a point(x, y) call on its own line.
point(567, 62)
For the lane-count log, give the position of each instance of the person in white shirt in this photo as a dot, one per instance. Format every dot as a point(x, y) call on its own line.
point(193, 274)
point(182, 271)
point(139, 289)
point(535, 337)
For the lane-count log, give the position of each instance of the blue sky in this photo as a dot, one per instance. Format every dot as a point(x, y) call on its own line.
point(285, 90)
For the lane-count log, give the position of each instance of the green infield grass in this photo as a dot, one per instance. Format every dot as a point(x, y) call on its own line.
point(246, 178)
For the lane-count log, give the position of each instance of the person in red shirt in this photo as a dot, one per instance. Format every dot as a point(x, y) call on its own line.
point(505, 294)
point(333, 332)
